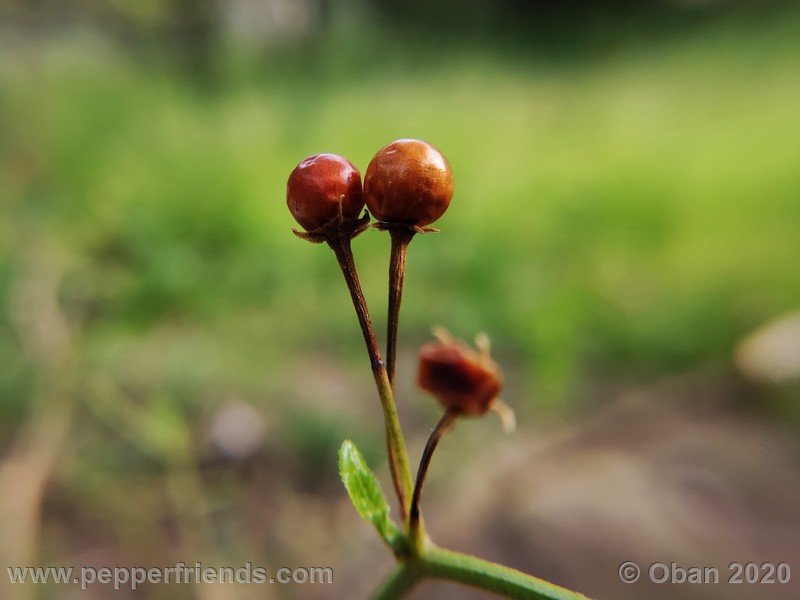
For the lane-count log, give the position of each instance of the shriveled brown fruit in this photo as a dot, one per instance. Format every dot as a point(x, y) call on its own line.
point(459, 377)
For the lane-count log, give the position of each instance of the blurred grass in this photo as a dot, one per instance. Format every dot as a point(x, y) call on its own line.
point(627, 207)
point(621, 217)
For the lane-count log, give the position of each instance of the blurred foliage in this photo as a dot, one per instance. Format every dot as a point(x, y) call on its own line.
point(626, 208)
point(625, 213)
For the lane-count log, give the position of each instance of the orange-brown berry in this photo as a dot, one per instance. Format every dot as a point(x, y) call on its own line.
point(408, 181)
point(459, 377)
point(318, 185)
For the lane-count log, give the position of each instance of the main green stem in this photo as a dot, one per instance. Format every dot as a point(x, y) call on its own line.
point(415, 529)
point(399, 583)
point(489, 576)
point(474, 572)
point(395, 442)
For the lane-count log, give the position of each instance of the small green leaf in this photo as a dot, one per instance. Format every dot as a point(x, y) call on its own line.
point(365, 492)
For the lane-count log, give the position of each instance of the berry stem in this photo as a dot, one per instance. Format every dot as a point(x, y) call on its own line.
point(430, 447)
point(401, 237)
point(395, 443)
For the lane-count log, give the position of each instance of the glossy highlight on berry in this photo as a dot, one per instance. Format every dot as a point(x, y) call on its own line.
point(408, 182)
point(319, 185)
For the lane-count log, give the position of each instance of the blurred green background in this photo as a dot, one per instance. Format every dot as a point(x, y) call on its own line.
point(177, 369)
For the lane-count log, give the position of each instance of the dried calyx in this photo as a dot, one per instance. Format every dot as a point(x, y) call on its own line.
point(464, 380)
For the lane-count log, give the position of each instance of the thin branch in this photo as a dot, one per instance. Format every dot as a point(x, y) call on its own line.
point(401, 237)
point(398, 456)
point(430, 447)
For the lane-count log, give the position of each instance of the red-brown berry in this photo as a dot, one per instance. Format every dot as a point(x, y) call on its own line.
point(409, 182)
point(461, 378)
point(319, 185)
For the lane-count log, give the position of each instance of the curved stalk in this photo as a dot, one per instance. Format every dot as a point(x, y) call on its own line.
point(398, 456)
point(414, 525)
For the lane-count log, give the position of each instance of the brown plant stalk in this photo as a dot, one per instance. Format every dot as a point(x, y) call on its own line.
point(401, 238)
point(398, 456)
point(438, 432)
